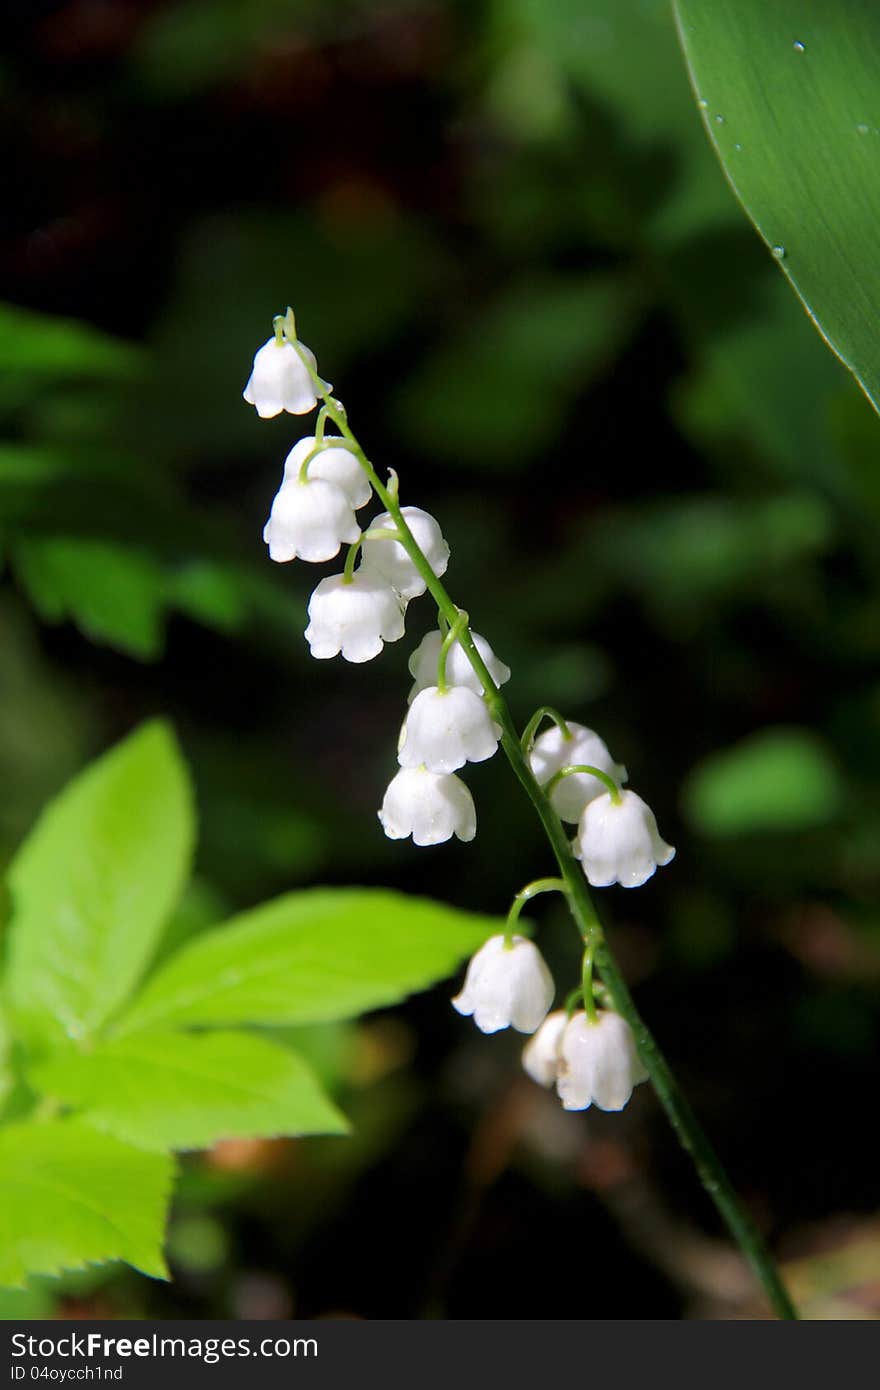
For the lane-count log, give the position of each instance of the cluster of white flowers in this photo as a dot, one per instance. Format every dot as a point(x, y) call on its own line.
point(589, 1062)
point(356, 612)
point(591, 1058)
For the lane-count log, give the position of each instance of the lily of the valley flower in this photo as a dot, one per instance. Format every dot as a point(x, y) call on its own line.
point(552, 751)
point(429, 806)
point(459, 671)
point(335, 463)
point(597, 1063)
point(280, 379)
point(541, 1053)
point(388, 559)
point(446, 729)
point(506, 986)
point(309, 520)
point(618, 841)
point(353, 616)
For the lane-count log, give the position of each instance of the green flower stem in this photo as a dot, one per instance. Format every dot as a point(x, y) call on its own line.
point(525, 895)
point(587, 985)
point(545, 712)
point(678, 1110)
point(348, 568)
point(572, 771)
point(451, 635)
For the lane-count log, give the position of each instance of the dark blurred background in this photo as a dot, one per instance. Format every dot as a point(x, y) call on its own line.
point(510, 247)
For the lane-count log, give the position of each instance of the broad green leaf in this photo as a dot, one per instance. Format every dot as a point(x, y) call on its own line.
point(778, 779)
point(665, 200)
point(174, 1090)
point(790, 96)
point(321, 954)
point(114, 593)
point(7, 1074)
point(94, 883)
point(73, 1197)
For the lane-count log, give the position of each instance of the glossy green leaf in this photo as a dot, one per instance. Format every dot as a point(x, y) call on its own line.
point(170, 1090)
point(321, 954)
point(664, 200)
point(778, 779)
point(73, 1197)
point(790, 96)
point(94, 883)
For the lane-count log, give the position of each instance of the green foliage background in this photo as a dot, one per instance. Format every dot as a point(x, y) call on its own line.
point(511, 246)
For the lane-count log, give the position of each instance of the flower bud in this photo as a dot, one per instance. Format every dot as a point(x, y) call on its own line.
point(459, 671)
point(506, 986)
point(280, 380)
point(446, 729)
point(618, 842)
point(389, 560)
point(598, 1063)
point(354, 617)
point(309, 520)
point(334, 463)
point(552, 751)
point(429, 806)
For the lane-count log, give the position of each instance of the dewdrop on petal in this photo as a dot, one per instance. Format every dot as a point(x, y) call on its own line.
point(446, 729)
point(598, 1063)
point(552, 751)
point(309, 520)
point(388, 559)
point(333, 462)
point(280, 379)
point(429, 806)
point(353, 616)
point(506, 986)
point(541, 1053)
point(618, 842)
point(459, 671)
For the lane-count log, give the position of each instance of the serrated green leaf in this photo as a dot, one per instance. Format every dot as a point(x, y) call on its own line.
point(73, 1197)
point(321, 954)
point(171, 1090)
point(94, 882)
point(790, 97)
point(777, 779)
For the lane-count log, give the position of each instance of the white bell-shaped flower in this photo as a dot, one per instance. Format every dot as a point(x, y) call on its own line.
point(506, 986)
point(309, 520)
point(446, 729)
point(618, 842)
point(280, 380)
point(597, 1063)
point(552, 751)
point(459, 671)
point(353, 616)
point(541, 1053)
point(334, 463)
point(389, 560)
point(429, 806)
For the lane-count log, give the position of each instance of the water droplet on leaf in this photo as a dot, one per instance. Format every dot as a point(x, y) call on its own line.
point(799, 47)
point(719, 119)
point(779, 252)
